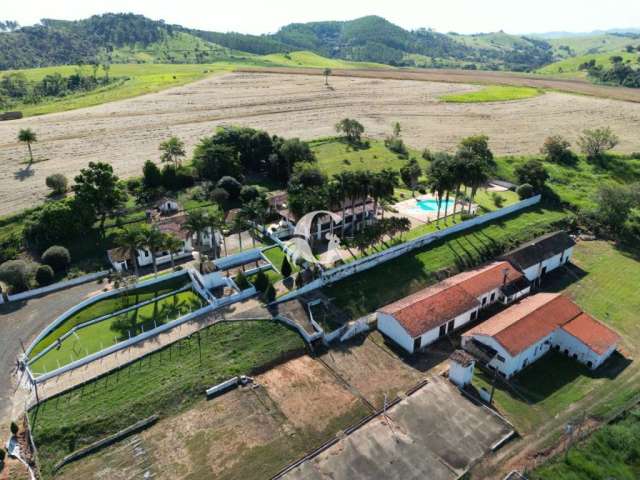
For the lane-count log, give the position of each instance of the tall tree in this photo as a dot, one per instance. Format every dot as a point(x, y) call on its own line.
point(173, 244)
point(131, 238)
point(195, 224)
point(215, 221)
point(172, 150)
point(97, 187)
point(326, 73)
point(410, 174)
point(154, 240)
point(28, 136)
point(352, 129)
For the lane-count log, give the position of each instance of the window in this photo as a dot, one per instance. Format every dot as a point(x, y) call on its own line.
point(417, 343)
point(443, 330)
point(493, 296)
point(500, 358)
point(484, 301)
point(589, 364)
point(474, 315)
point(450, 326)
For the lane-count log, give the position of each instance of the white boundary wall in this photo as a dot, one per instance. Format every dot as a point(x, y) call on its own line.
point(362, 264)
point(56, 286)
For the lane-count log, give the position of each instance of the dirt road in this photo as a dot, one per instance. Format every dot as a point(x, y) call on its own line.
point(128, 132)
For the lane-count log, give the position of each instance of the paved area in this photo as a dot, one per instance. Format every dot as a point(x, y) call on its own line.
point(23, 321)
point(435, 434)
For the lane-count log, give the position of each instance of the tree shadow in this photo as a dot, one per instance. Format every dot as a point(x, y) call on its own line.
point(23, 173)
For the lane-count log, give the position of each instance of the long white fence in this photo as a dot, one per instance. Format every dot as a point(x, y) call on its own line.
point(56, 286)
point(333, 275)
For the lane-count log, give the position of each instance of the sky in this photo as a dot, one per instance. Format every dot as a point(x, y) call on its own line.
point(266, 16)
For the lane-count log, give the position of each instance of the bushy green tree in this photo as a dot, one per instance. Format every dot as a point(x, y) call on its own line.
point(557, 149)
point(58, 222)
point(595, 143)
point(231, 186)
point(214, 161)
point(351, 129)
point(44, 275)
point(525, 191)
point(57, 257)
point(15, 273)
point(99, 188)
point(151, 175)
point(172, 150)
point(410, 174)
point(533, 173)
point(57, 183)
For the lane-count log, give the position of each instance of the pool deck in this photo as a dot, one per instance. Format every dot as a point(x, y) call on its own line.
point(418, 216)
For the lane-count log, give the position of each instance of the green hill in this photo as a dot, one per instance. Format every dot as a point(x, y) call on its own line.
point(571, 66)
point(310, 59)
point(576, 46)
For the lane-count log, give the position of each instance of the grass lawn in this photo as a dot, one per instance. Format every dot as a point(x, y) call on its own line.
point(494, 93)
point(611, 452)
point(109, 305)
point(576, 185)
point(100, 335)
point(310, 59)
point(555, 383)
point(276, 256)
point(165, 382)
point(571, 66)
point(365, 292)
point(336, 156)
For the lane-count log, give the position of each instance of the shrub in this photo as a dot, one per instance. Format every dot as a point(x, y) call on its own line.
point(557, 149)
point(14, 428)
point(249, 193)
point(44, 275)
point(231, 185)
point(261, 282)
point(242, 282)
point(133, 185)
point(525, 191)
point(57, 182)
point(285, 269)
point(533, 173)
point(498, 200)
point(219, 195)
point(57, 257)
point(15, 273)
point(57, 223)
point(594, 143)
point(396, 145)
point(270, 293)
point(151, 176)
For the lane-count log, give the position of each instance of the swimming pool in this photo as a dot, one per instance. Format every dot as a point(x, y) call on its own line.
point(431, 205)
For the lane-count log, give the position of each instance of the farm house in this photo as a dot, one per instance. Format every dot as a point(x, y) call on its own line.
point(542, 255)
point(521, 334)
point(422, 318)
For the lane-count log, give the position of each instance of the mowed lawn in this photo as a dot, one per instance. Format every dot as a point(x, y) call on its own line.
point(365, 292)
point(165, 382)
point(100, 335)
point(337, 156)
point(494, 93)
point(109, 305)
point(603, 281)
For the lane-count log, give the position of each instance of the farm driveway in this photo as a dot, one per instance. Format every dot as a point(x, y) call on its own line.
point(23, 321)
point(127, 133)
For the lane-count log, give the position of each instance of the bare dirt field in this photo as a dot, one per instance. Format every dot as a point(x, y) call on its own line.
point(248, 433)
point(128, 132)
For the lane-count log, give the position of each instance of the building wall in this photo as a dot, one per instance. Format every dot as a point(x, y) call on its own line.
point(551, 263)
point(392, 329)
point(571, 346)
point(460, 375)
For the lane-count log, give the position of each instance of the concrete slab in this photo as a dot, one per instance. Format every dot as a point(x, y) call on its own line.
point(435, 433)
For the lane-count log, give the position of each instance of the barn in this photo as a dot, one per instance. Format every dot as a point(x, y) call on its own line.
point(420, 319)
point(524, 332)
point(542, 255)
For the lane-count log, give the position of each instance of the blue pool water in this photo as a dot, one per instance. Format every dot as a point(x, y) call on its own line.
point(431, 205)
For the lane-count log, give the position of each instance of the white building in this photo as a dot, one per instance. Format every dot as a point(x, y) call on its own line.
point(461, 366)
point(422, 318)
point(521, 334)
point(168, 205)
point(542, 255)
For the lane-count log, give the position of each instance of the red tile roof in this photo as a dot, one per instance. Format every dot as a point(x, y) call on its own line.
point(529, 321)
point(592, 333)
point(430, 308)
point(436, 305)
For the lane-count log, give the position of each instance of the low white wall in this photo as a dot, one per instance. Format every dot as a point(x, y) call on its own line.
point(56, 286)
point(53, 325)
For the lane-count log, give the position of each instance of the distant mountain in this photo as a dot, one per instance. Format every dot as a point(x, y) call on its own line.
point(134, 38)
point(559, 35)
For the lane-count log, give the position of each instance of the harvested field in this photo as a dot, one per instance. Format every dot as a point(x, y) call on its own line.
point(127, 133)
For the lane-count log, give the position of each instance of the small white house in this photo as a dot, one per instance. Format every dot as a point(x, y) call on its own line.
point(461, 366)
point(422, 318)
point(542, 255)
point(521, 334)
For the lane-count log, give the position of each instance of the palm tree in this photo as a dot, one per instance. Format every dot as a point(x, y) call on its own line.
point(154, 240)
point(364, 181)
point(215, 221)
point(131, 239)
point(444, 163)
point(342, 182)
point(382, 187)
point(326, 73)
point(173, 244)
point(477, 175)
point(28, 136)
point(255, 211)
point(172, 150)
point(195, 223)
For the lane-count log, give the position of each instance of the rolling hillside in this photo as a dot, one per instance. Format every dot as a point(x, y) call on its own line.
point(571, 66)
